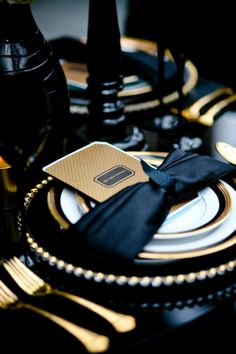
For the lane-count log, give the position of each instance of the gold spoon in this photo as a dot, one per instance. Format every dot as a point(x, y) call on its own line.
point(227, 151)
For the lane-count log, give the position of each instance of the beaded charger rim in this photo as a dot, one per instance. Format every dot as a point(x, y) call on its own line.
point(145, 281)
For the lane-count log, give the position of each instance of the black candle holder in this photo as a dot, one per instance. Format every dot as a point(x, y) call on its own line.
point(106, 120)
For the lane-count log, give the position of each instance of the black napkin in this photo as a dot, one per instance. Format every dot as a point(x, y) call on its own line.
point(122, 225)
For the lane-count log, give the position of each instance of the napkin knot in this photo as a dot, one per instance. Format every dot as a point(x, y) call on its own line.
point(163, 179)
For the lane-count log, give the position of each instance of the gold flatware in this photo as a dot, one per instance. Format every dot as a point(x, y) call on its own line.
point(93, 342)
point(32, 284)
point(208, 117)
point(193, 112)
point(227, 151)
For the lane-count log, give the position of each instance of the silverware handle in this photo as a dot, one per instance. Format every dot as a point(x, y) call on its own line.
point(208, 117)
point(227, 151)
point(93, 342)
point(193, 111)
point(121, 322)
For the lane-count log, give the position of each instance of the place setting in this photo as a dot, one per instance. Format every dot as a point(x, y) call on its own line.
point(118, 228)
point(191, 239)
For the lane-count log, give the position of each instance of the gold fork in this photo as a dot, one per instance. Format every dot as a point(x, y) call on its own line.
point(93, 342)
point(32, 284)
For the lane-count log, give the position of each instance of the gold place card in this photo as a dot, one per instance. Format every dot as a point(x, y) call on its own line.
point(98, 170)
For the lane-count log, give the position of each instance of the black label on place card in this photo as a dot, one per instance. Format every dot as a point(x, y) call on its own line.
point(114, 176)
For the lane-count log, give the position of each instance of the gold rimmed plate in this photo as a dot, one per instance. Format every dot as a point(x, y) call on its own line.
point(197, 217)
point(214, 206)
point(161, 246)
point(217, 240)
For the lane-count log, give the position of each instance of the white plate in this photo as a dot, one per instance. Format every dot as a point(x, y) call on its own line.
point(178, 224)
point(69, 205)
point(215, 236)
point(191, 215)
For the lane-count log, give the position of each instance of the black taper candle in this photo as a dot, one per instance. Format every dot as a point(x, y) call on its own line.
point(107, 120)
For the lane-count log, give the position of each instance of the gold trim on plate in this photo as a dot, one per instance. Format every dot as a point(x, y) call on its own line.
point(51, 202)
point(209, 226)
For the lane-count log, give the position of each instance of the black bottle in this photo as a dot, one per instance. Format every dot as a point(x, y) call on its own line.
point(33, 92)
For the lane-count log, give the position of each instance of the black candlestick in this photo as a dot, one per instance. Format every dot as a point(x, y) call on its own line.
point(107, 121)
